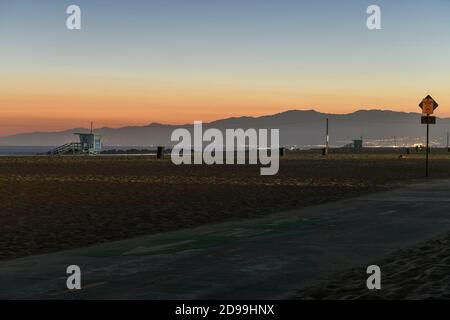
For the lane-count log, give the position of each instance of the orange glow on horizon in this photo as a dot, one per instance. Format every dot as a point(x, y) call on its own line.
point(49, 103)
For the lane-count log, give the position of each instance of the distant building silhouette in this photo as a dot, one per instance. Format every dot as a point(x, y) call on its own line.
point(356, 144)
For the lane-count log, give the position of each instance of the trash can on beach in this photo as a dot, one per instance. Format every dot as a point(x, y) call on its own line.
point(160, 153)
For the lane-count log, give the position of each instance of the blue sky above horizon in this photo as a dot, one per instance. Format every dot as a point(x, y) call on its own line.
point(177, 61)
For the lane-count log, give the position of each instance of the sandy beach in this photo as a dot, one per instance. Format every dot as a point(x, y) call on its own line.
point(50, 204)
point(417, 273)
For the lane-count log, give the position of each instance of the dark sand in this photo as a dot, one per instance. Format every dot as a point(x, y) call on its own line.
point(50, 204)
point(417, 273)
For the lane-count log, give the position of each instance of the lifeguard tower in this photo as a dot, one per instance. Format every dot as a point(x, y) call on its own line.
point(89, 144)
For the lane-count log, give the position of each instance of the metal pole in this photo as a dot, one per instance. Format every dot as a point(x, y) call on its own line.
point(428, 144)
point(328, 137)
point(448, 141)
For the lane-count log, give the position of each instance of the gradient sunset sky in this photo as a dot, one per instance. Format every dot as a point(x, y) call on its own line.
point(176, 61)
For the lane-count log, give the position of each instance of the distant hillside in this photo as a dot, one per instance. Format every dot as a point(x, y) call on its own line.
point(297, 127)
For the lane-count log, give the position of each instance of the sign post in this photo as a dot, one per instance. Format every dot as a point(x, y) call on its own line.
point(428, 105)
point(428, 146)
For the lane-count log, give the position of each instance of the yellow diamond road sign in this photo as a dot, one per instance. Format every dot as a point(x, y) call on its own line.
point(428, 105)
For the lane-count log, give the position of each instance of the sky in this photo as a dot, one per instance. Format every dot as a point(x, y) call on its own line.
point(176, 61)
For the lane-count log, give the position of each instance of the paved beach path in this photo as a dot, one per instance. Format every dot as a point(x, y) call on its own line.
point(266, 258)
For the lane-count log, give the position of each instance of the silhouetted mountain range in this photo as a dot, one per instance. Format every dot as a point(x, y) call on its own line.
point(297, 128)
